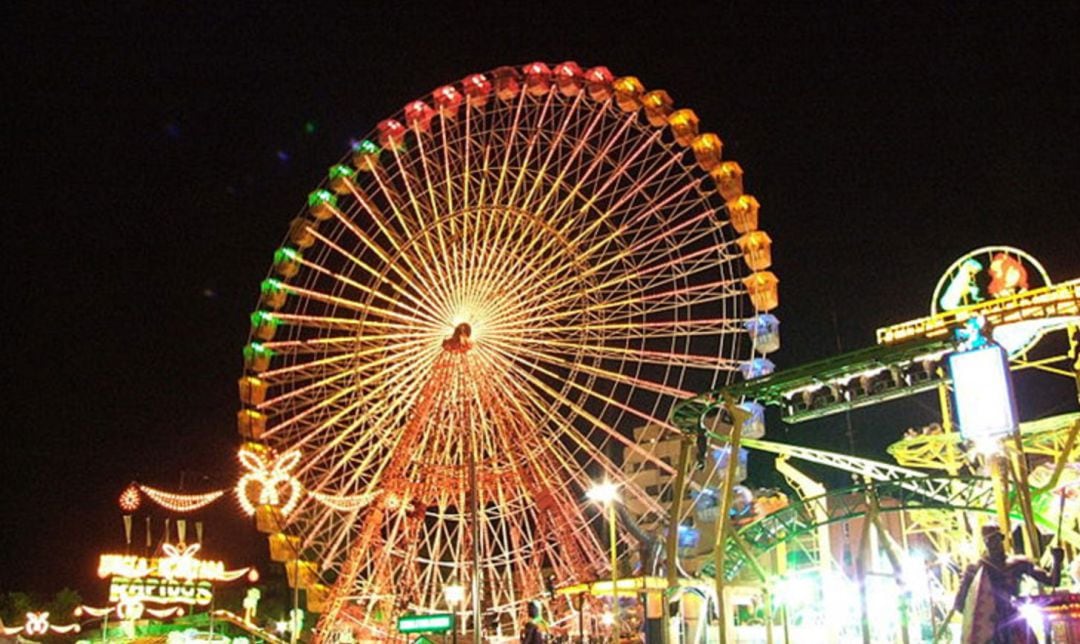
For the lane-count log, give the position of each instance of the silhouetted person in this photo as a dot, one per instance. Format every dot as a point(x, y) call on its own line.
point(986, 593)
point(535, 627)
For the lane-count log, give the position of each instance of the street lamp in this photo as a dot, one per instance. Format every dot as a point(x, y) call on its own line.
point(454, 595)
point(607, 493)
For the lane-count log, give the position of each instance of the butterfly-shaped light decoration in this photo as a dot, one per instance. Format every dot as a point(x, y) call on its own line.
point(179, 564)
point(37, 623)
point(268, 481)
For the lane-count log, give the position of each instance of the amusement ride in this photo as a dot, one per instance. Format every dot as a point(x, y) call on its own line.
point(465, 324)
point(514, 349)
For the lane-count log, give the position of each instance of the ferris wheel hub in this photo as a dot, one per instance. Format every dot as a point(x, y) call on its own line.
point(460, 341)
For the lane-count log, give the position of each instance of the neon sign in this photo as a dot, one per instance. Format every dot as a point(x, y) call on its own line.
point(179, 577)
point(988, 273)
point(177, 564)
point(155, 590)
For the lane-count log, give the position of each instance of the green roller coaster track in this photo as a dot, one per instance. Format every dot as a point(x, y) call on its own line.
point(946, 493)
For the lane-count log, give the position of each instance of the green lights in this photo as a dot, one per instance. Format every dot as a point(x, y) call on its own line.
point(366, 147)
point(321, 204)
point(341, 172)
point(273, 293)
point(436, 623)
point(264, 325)
point(287, 262)
point(320, 197)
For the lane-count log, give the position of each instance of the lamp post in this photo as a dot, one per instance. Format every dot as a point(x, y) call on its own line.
point(607, 493)
point(454, 594)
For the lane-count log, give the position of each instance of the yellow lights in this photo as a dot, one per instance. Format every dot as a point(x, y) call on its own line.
point(252, 390)
point(283, 547)
point(744, 213)
point(756, 248)
point(658, 106)
point(344, 503)
point(180, 577)
point(301, 574)
point(268, 480)
point(762, 288)
point(155, 590)
point(1056, 301)
point(180, 503)
point(250, 423)
point(268, 519)
point(708, 148)
point(728, 177)
point(178, 564)
point(628, 92)
point(318, 595)
point(684, 125)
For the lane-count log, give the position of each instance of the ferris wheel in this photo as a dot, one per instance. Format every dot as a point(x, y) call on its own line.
point(508, 278)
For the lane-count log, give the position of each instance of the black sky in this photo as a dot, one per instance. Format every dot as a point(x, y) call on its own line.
point(154, 156)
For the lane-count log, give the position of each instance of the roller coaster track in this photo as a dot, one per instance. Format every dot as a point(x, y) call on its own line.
point(907, 489)
point(945, 493)
point(1044, 437)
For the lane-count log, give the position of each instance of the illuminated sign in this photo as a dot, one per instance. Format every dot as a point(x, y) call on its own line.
point(155, 590)
point(982, 393)
point(179, 577)
point(177, 564)
point(986, 274)
point(436, 623)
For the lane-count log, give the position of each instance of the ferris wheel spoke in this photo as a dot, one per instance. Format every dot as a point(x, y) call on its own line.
point(596, 163)
point(642, 356)
point(509, 147)
point(387, 231)
point(332, 400)
point(554, 145)
point(301, 345)
point(299, 371)
point(433, 200)
point(391, 416)
point(325, 322)
point(532, 137)
point(352, 305)
point(584, 413)
point(616, 353)
point(347, 374)
point(319, 345)
point(415, 295)
point(640, 304)
point(377, 413)
point(524, 369)
point(619, 172)
point(587, 232)
point(423, 218)
point(638, 330)
point(667, 261)
point(421, 264)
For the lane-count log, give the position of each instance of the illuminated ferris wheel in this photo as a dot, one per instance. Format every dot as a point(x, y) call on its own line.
point(507, 278)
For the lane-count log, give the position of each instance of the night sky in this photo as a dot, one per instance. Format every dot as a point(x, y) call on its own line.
point(154, 157)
